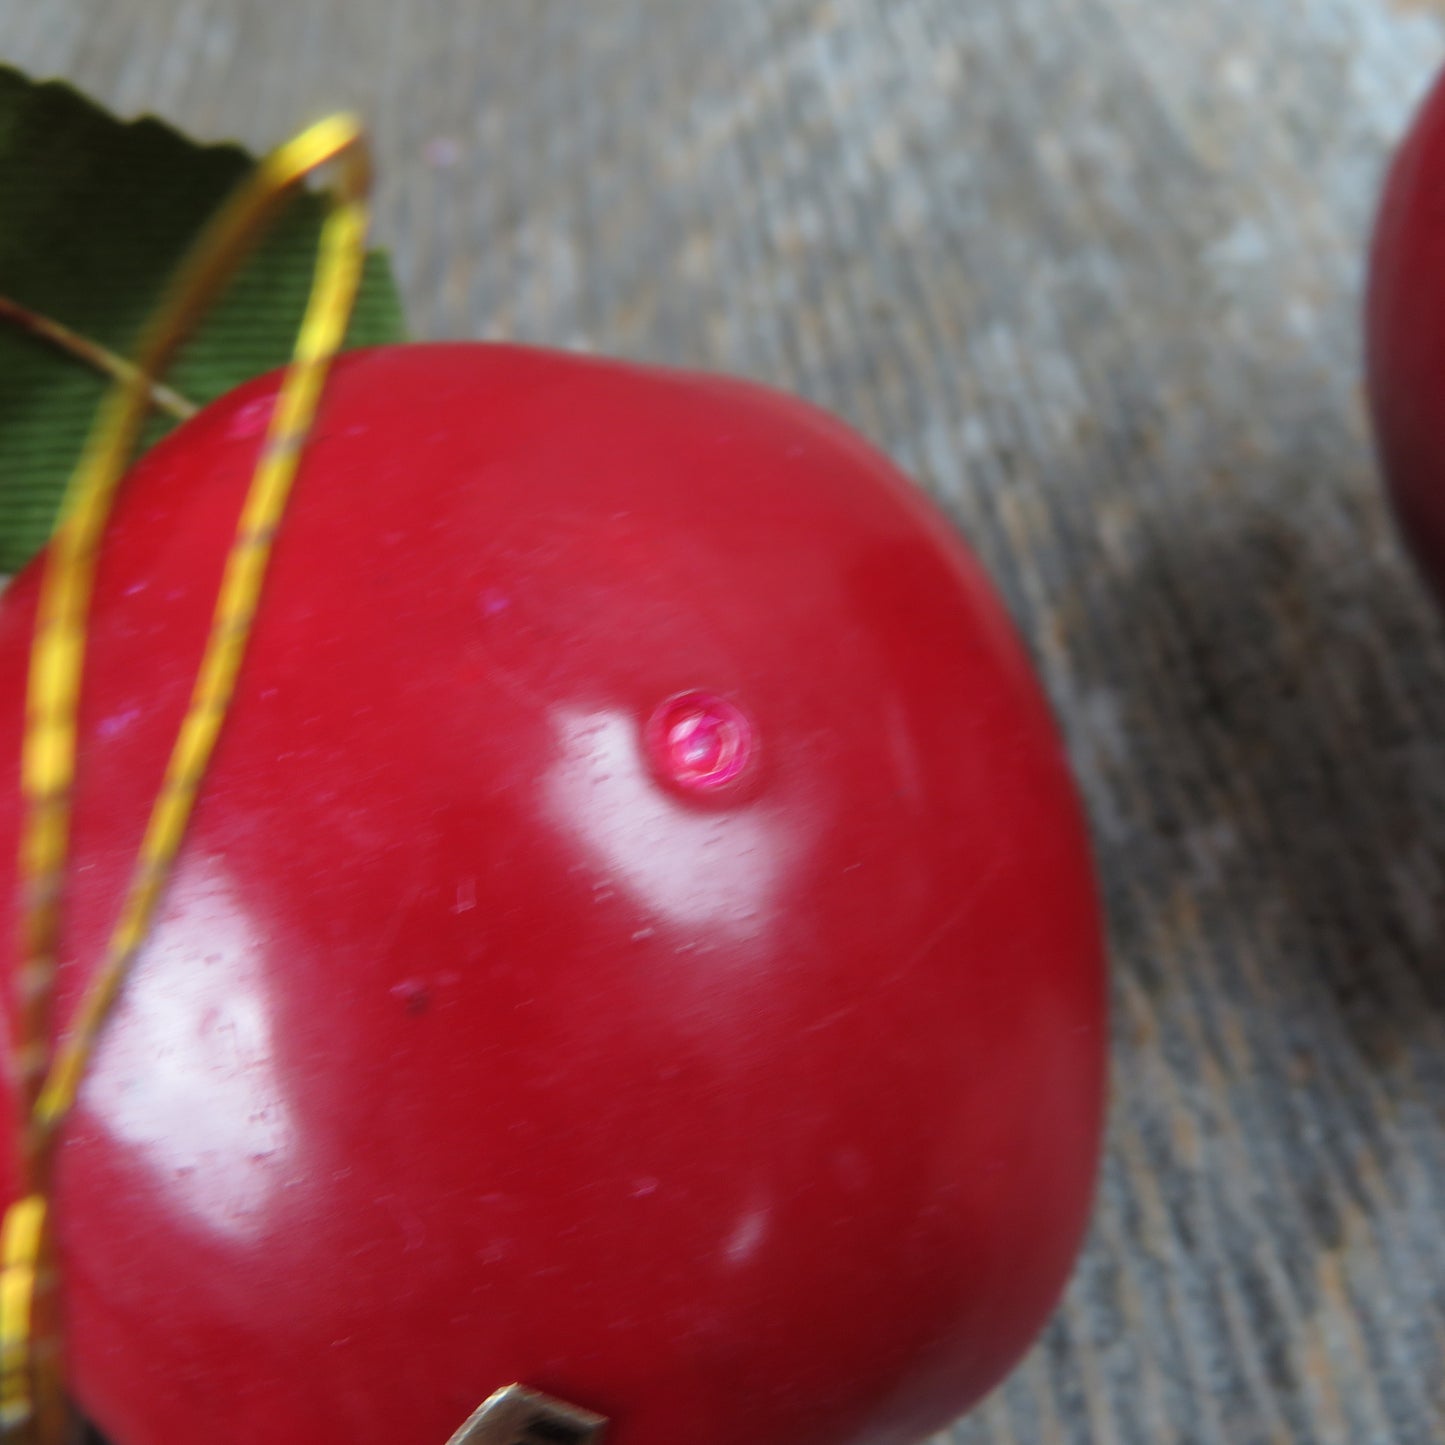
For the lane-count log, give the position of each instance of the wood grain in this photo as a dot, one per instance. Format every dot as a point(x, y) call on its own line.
point(1090, 269)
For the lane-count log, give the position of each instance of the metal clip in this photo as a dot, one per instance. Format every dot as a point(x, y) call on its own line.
point(519, 1416)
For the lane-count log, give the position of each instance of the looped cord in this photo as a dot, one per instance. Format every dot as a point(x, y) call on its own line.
point(32, 1405)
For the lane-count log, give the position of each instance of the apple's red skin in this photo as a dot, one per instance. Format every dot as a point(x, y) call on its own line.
point(1406, 336)
point(470, 1050)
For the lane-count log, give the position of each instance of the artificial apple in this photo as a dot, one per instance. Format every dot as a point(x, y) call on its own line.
point(1405, 335)
point(636, 937)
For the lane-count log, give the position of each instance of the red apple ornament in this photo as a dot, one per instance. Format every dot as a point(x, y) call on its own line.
point(636, 937)
point(1406, 337)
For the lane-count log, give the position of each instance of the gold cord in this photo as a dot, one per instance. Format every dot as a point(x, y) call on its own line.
point(31, 1400)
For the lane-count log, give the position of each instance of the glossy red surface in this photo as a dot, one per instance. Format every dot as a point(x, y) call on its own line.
point(479, 1041)
point(1406, 336)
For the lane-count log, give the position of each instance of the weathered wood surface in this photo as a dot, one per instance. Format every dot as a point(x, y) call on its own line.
point(1089, 268)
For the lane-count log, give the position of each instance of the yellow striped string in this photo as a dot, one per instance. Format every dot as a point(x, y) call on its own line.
point(20, 1259)
point(29, 1358)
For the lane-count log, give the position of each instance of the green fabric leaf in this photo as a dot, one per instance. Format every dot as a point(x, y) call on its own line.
point(95, 215)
